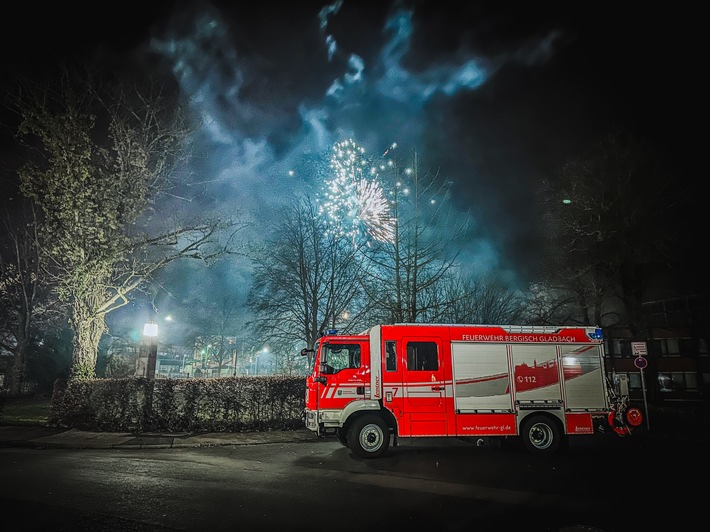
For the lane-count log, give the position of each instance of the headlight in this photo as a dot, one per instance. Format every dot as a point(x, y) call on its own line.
point(329, 416)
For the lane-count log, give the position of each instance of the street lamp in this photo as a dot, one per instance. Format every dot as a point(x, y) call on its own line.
point(150, 330)
point(148, 353)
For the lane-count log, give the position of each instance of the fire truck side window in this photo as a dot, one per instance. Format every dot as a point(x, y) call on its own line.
point(342, 356)
point(391, 355)
point(422, 356)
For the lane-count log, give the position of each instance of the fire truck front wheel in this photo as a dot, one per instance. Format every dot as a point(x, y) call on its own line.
point(342, 436)
point(369, 436)
point(541, 434)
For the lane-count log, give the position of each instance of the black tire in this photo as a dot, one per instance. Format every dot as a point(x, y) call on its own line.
point(541, 434)
point(342, 436)
point(369, 436)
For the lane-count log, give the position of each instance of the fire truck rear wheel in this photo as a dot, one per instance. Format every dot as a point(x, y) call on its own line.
point(369, 436)
point(541, 435)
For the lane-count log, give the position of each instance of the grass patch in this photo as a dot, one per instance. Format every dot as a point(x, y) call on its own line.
point(24, 410)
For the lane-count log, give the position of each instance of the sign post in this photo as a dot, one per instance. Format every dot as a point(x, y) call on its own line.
point(640, 350)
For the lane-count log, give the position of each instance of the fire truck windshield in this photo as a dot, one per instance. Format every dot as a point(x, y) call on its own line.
point(336, 357)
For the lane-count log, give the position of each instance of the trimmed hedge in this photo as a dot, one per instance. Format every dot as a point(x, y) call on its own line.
point(228, 404)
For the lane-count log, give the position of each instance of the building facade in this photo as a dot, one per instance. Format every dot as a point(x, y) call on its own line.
point(677, 365)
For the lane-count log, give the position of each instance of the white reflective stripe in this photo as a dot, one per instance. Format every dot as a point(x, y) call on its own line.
point(376, 360)
point(345, 390)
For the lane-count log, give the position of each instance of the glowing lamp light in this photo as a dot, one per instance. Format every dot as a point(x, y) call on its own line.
point(566, 201)
point(150, 329)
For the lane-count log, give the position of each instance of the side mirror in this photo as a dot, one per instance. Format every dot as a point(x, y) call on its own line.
point(304, 352)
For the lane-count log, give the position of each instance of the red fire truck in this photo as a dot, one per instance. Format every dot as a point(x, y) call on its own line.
point(539, 384)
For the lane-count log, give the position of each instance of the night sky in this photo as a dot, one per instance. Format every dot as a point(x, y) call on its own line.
point(495, 96)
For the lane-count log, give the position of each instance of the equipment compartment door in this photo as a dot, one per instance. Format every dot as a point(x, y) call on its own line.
point(536, 373)
point(424, 387)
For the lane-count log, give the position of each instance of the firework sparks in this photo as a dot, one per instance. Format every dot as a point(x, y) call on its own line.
point(353, 203)
point(374, 210)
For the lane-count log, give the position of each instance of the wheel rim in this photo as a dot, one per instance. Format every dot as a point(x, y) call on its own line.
point(371, 438)
point(541, 435)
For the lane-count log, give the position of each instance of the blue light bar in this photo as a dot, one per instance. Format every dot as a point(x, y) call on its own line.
point(597, 334)
point(332, 331)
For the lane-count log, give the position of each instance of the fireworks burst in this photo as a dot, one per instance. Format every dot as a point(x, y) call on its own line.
point(355, 203)
point(374, 211)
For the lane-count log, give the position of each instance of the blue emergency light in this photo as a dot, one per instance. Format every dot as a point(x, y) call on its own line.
point(597, 334)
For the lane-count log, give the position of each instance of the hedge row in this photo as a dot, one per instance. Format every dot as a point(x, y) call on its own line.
point(229, 404)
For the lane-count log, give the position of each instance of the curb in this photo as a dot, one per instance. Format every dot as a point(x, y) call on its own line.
point(52, 438)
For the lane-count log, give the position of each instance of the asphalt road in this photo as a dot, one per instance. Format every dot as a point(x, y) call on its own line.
point(601, 484)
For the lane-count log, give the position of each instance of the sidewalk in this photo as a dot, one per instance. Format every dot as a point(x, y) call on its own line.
point(38, 437)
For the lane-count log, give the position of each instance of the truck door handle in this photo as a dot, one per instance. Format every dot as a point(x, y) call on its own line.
point(437, 388)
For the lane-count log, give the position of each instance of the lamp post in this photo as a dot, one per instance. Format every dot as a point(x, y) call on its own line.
point(148, 351)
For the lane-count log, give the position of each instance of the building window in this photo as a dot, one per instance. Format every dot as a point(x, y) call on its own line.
point(666, 347)
point(691, 382)
point(678, 381)
point(634, 381)
point(664, 382)
point(687, 346)
point(673, 346)
point(620, 348)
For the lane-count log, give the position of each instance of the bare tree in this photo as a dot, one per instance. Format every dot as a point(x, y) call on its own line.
point(546, 305)
point(481, 301)
point(609, 217)
point(98, 158)
point(218, 326)
point(404, 275)
point(27, 302)
point(305, 282)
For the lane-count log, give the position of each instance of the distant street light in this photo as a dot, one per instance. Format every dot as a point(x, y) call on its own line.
point(264, 351)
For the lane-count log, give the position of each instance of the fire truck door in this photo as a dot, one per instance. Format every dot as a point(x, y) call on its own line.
point(424, 387)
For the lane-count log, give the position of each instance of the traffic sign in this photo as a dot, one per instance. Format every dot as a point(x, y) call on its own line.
point(639, 349)
point(640, 362)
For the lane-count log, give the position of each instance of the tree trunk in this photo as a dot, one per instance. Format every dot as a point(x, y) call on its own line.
point(88, 328)
point(17, 373)
point(18, 370)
